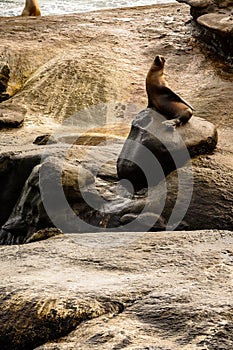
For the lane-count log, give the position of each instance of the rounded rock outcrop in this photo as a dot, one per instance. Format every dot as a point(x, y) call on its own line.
point(172, 149)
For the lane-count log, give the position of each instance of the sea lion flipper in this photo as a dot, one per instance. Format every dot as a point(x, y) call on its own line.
point(171, 124)
point(176, 97)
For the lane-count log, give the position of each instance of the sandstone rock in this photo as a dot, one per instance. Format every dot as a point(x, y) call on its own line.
point(105, 204)
point(218, 32)
point(170, 290)
point(219, 22)
point(112, 55)
point(167, 290)
point(11, 116)
point(215, 26)
point(149, 137)
point(44, 234)
point(46, 317)
point(199, 7)
point(202, 7)
point(29, 215)
point(205, 182)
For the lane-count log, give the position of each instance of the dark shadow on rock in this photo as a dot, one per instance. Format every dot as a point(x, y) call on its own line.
point(15, 169)
point(46, 318)
point(4, 79)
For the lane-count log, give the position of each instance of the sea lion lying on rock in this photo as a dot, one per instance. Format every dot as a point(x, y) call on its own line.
point(31, 8)
point(162, 99)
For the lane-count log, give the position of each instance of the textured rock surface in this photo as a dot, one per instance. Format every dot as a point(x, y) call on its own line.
point(44, 234)
point(168, 290)
point(171, 148)
point(90, 59)
point(215, 24)
point(218, 32)
point(112, 290)
point(202, 7)
point(11, 116)
point(104, 202)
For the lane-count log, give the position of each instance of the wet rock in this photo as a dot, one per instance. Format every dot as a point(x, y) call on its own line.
point(149, 138)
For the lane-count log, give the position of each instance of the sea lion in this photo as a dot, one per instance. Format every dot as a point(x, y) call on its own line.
point(31, 8)
point(162, 99)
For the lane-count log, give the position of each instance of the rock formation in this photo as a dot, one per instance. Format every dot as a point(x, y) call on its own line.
point(75, 84)
point(77, 81)
point(169, 290)
point(172, 149)
point(215, 24)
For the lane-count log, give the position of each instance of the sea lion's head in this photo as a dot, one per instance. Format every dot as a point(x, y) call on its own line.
point(159, 62)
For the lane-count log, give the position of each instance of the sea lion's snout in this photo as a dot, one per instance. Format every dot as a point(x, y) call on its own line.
point(159, 61)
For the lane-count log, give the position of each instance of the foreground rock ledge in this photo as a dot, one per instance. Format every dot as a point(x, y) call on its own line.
point(169, 290)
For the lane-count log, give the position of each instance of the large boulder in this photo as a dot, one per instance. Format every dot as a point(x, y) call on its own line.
point(153, 151)
point(54, 187)
point(27, 214)
point(195, 191)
